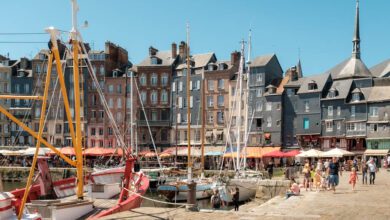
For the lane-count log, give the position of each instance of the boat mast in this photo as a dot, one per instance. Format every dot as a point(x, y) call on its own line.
point(135, 149)
point(240, 76)
point(247, 97)
point(202, 132)
point(189, 163)
point(76, 87)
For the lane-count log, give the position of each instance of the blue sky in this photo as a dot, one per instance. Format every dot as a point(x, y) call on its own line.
point(321, 29)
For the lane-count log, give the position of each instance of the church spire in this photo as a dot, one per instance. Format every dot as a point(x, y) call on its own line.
point(356, 36)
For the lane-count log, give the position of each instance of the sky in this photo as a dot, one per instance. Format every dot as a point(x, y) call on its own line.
point(317, 32)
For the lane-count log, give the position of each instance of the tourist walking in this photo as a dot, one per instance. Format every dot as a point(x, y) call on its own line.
point(372, 169)
point(317, 179)
point(353, 178)
point(334, 170)
point(306, 174)
point(326, 165)
point(364, 172)
point(236, 198)
point(216, 201)
point(270, 169)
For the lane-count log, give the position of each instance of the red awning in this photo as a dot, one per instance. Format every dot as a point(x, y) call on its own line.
point(64, 150)
point(292, 153)
point(96, 151)
point(276, 153)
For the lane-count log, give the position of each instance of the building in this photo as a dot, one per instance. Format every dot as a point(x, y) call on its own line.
point(154, 83)
point(198, 65)
point(217, 101)
point(5, 88)
point(265, 112)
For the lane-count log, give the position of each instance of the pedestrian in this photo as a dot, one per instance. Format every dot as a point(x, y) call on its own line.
point(270, 169)
point(353, 178)
point(372, 170)
point(326, 165)
point(334, 170)
point(236, 198)
point(306, 174)
point(216, 200)
point(364, 172)
point(320, 165)
point(317, 179)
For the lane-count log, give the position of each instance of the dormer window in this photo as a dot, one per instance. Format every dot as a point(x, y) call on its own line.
point(332, 93)
point(115, 73)
point(356, 97)
point(312, 86)
point(221, 66)
point(154, 60)
point(210, 67)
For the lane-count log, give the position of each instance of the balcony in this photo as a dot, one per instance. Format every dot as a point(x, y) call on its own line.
point(158, 123)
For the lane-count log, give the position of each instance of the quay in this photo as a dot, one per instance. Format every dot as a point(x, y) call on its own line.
point(366, 202)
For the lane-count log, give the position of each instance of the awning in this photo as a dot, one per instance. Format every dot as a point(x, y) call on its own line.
point(376, 152)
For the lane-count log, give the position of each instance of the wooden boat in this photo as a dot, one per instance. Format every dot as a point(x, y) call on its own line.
point(178, 190)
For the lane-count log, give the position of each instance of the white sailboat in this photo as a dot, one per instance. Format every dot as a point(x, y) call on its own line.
point(247, 185)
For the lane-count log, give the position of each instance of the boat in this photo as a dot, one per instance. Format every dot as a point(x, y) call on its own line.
point(176, 191)
point(246, 184)
point(89, 196)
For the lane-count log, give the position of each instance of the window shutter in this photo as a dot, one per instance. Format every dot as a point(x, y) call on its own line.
point(190, 85)
point(198, 85)
point(178, 118)
point(180, 86)
point(191, 101)
point(174, 86)
point(180, 102)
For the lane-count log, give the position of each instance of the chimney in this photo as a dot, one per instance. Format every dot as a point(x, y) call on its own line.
point(152, 51)
point(235, 57)
point(183, 50)
point(174, 50)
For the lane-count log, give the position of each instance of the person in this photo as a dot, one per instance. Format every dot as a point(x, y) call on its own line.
point(236, 198)
point(270, 169)
point(216, 200)
point(294, 189)
point(306, 174)
point(355, 163)
point(353, 178)
point(364, 172)
point(324, 181)
point(372, 170)
point(319, 165)
point(334, 170)
point(312, 174)
point(326, 165)
point(317, 179)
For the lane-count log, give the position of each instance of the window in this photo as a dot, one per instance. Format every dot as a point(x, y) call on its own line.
point(109, 131)
point(102, 70)
point(306, 123)
point(210, 117)
point(197, 135)
point(94, 100)
point(332, 94)
point(338, 110)
point(111, 88)
point(210, 85)
point(198, 85)
point(93, 114)
point(26, 88)
point(210, 101)
point(221, 101)
point(191, 101)
point(180, 102)
point(154, 115)
point(178, 119)
point(185, 135)
point(92, 143)
point(142, 79)
point(312, 85)
point(329, 126)
point(164, 80)
point(119, 116)
point(268, 106)
point(353, 111)
point(290, 92)
point(110, 102)
point(269, 121)
point(259, 92)
point(164, 135)
point(119, 103)
point(221, 84)
point(143, 96)
point(259, 106)
point(307, 107)
point(259, 77)
point(38, 68)
point(164, 97)
point(119, 89)
point(154, 60)
point(233, 91)
point(330, 110)
point(93, 131)
point(128, 103)
point(100, 131)
point(154, 79)
point(338, 125)
point(373, 127)
point(101, 114)
point(174, 87)
point(153, 97)
point(180, 86)
point(58, 129)
point(373, 111)
point(355, 97)
point(17, 88)
point(220, 117)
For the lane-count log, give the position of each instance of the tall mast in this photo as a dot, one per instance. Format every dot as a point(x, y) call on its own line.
point(202, 132)
point(247, 96)
point(240, 76)
point(125, 117)
point(189, 164)
point(135, 149)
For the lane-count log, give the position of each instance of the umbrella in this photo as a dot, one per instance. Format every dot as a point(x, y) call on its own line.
point(310, 153)
point(150, 154)
point(337, 152)
point(162, 155)
point(114, 151)
point(276, 153)
point(96, 151)
point(292, 153)
point(31, 151)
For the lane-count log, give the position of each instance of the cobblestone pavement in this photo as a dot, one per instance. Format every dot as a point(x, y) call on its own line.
point(366, 202)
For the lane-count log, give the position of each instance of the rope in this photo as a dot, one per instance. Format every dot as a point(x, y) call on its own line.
point(158, 201)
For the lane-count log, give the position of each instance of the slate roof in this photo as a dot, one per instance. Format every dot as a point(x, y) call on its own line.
point(350, 68)
point(164, 56)
point(382, 69)
point(343, 87)
point(319, 79)
point(379, 94)
point(200, 60)
point(262, 60)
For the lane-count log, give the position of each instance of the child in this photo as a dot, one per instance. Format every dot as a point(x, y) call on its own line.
point(317, 180)
point(353, 178)
point(324, 182)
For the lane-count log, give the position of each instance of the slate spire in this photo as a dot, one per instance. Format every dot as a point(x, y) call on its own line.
point(356, 35)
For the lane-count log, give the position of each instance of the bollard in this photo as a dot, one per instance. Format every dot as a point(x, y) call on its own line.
point(191, 197)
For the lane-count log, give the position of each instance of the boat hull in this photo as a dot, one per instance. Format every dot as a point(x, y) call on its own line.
point(179, 192)
point(247, 189)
